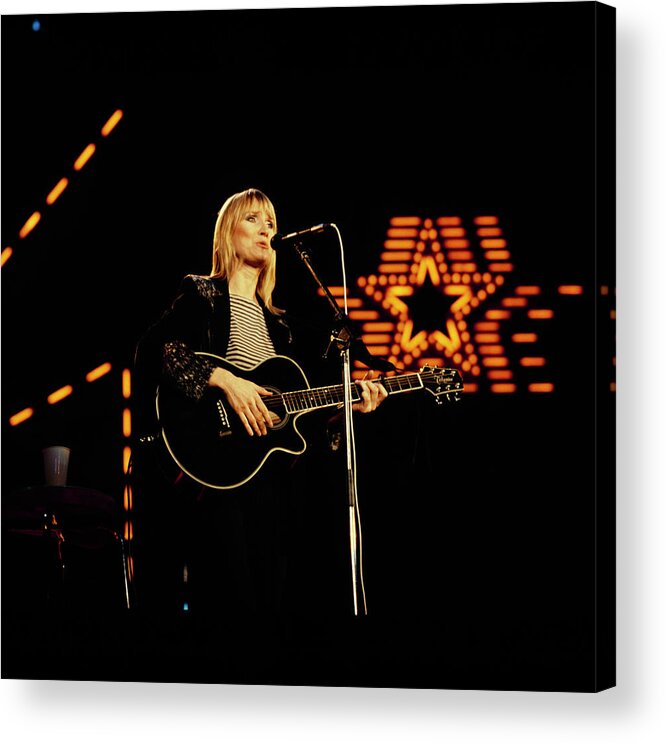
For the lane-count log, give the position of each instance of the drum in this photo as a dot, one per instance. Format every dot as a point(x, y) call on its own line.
point(65, 583)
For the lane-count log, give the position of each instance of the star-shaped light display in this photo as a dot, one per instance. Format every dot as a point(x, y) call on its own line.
point(440, 297)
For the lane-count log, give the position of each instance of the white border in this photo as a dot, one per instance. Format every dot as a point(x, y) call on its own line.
point(634, 710)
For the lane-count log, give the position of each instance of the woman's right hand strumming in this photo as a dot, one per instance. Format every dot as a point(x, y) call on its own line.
point(245, 397)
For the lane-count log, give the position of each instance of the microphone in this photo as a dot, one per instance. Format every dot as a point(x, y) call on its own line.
point(280, 239)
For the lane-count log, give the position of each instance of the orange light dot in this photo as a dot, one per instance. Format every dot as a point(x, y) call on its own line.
point(126, 458)
point(98, 372)
point(364, 314)
point(541, 387)
point(21, 416)
point(453, 232)
point(503, 388)
point(406, 232)
point(405, 221)
point(30, 224)
point(495, 362)
point(126, 423)
point(55, 193)
point(491, 350)
point(60, 394)
point(111, 123)
point(393, 256)
point(393, 268)
point(126, 383)
point(83, 158)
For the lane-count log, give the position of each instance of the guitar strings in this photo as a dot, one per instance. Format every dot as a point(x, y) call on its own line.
point(318, 394)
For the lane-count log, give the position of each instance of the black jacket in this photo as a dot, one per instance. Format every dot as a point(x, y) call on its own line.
point(199, 319)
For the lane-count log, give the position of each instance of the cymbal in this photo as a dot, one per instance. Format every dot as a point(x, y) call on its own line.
point(75, 506)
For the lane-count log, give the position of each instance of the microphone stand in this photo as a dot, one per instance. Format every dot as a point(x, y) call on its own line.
point(342, 337)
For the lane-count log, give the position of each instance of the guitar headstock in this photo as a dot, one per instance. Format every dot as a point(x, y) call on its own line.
point(445, 384)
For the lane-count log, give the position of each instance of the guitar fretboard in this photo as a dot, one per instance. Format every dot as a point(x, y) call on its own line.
point(328, 396)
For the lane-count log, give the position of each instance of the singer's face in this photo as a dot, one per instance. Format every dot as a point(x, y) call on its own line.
point(252, 235)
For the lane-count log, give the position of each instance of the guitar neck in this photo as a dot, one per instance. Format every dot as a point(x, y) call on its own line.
point(306, 400)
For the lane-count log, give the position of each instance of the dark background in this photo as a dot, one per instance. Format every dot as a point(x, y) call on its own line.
point(479, 519)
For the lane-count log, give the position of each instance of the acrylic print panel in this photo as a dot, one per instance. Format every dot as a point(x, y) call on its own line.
point(465, 155)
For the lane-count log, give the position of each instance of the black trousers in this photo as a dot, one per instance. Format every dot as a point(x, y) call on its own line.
point(210, 571)
point(237, 554)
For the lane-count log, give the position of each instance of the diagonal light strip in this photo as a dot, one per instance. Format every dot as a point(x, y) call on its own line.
point(53, 195)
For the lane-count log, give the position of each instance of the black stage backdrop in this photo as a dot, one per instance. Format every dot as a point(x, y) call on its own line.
point(487, 524)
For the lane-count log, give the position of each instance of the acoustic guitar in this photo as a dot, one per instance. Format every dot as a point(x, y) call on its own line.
point(210, 445)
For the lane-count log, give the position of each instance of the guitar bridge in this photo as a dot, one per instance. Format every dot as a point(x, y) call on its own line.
point(224, 424)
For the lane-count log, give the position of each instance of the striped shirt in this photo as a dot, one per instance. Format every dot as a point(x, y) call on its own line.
point(249, 342)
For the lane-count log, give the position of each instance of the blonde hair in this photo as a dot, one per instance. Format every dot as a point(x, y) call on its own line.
point(224, 259)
